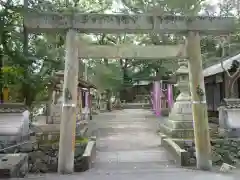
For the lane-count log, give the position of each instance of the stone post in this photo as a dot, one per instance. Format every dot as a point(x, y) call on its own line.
point(86, 104)
point(180, 122)
point(68, 118)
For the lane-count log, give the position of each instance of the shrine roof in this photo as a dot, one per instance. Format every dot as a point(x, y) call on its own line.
point(86, 84)
point(142, 83)
point(217, 68)
point(81, 82)
point(169, 80)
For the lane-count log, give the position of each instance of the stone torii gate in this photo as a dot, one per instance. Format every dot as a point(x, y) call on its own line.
point(137, 23)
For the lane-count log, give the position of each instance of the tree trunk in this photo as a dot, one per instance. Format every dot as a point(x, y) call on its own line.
point(28, 95)
point(230, 93)
point(109, 104)
point(4, 50)
point(108, 91)
point(123, 91)
point(1, 77)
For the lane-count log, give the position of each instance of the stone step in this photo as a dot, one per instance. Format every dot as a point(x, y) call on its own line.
point(128, 167)
point(136, 106)
point(134, 156)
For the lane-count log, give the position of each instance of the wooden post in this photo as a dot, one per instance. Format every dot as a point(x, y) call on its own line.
point(90, 104)
point(5, 94)
point(199, 106)
point(69, 109)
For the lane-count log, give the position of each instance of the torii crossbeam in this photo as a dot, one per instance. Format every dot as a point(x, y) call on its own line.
point(123, 23)
point(129, 51)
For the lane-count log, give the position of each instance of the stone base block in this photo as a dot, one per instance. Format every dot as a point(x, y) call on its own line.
point(47, 128)
point(13, 165)
point(230, 133)
point(181, 155)
point(89, 155)
point(177, 133)
point(182, 133)
point(180, 117)
point(180, 124)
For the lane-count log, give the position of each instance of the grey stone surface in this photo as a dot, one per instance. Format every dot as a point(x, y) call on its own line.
point(181, 155)
point(13, 165)
point(14, 124)
point(139, 174)
point(140, 105)
point(128, 147)
point(89, 154)
point(229, 118)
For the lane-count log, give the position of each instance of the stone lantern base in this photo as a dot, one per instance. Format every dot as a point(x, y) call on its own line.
point(229, 112)
point(179, 123)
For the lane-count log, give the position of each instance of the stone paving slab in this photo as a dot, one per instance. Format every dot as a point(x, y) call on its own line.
point(168, 173)
point(133, 156)
point(128, 147)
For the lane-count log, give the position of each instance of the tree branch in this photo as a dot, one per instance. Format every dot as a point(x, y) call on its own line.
point(101, 40)
point(229, 75)
point(111, 40)
point(223, 54)
point(237, 73)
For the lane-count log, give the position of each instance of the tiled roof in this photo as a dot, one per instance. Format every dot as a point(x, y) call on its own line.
point(217, 68)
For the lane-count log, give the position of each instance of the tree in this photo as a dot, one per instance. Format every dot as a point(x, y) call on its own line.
point(228, 46)
point(233, 75)
point(30, 74)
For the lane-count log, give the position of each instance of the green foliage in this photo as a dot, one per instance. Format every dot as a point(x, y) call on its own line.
point(107, 76)
point(29, 75)
point(81, 140)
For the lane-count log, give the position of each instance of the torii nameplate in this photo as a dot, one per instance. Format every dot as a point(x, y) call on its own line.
point(118, 23)
point(129, 51)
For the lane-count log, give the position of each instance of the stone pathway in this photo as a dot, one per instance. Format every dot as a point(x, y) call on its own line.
point(127, 140)
point(129, 148)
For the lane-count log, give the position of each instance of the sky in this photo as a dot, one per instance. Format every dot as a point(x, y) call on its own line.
point(117, 3)
point(213, 1)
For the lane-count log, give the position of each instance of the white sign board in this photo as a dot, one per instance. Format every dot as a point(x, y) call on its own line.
point(129, 51)
point(118, 23)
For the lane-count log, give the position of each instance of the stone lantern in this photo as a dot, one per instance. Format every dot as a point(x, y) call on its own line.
point(103, 101)
point(180, 122)
point(183, 81)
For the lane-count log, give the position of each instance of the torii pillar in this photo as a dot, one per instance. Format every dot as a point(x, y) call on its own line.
point(69, 109)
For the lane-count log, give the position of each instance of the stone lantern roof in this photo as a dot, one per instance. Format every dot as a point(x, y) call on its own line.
point(231, 103)
point(183, 69)
point(81, 83)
